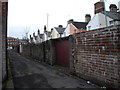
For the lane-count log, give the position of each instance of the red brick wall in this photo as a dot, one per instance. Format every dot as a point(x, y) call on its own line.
point(97, 55)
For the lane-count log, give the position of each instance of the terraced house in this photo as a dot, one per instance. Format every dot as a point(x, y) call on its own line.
point(103, 18)
point(58, 32)
point(12, 42)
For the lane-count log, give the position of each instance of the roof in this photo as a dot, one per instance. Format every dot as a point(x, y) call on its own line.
point(31, 38)
point(60, 30)
point(48, 33)
point(22, 40)
point(113, 15)
point(41, 35)
point(11, 38)
point(80, 25)
point(35, 37)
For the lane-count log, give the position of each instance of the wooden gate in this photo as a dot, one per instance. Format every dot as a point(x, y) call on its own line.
point(62, 52)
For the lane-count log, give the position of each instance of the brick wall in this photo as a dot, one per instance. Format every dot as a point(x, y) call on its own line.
point(49, 52)
point(36, 51)
point(0, 46)
point(3, 37)
point(95, 55)
point(43, 52)
point(25, 50)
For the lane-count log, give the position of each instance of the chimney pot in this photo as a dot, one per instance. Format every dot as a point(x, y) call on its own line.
point(30, 36)
point(60, 26)
point(45, 28)
point(113, 8)
point(87, 17)
point(34, 34)
point(38, 31)
point(51, 29)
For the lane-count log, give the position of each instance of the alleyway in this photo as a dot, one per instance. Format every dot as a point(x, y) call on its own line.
point(31, 74)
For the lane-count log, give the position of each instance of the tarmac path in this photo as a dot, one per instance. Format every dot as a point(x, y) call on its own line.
point(34, 75)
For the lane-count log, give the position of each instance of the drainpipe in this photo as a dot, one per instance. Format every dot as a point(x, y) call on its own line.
point(105, 15)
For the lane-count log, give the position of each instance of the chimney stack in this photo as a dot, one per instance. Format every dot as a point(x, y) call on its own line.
point(38, 31)
point(113, 8)
point(33, 34)
point(87, 17)
point(70, 21)
point(45, 29)
point(30, 37)
point(60, 26)
point(99, 7)
point(51, 29)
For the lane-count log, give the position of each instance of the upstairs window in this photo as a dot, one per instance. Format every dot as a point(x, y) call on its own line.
point(111, 22)
point(89, 27)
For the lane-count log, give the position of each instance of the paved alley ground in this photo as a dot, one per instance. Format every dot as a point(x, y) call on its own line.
point(34, 75)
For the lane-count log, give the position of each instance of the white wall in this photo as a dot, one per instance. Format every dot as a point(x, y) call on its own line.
point(93, 24)
point(45, 37)
point(64, 34)
point(38, 39)
point(102, 20)
point(55, 34)
point(119, 5)
point(67, 30)
point(20, 48)
point(34, 40)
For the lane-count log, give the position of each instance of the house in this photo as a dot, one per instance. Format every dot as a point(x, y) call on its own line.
point(47, 34)
point(76, 27)
point(37, 39)
point(12, 42)
point(31, 39)
point(58, 32)
point(104, 18)
point(23, 41)
point(34, 38)
point(40, 37)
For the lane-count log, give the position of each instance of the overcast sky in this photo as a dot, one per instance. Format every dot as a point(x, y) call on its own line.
point(29, 15)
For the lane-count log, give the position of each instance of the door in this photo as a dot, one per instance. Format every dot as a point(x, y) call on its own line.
point(62, 53)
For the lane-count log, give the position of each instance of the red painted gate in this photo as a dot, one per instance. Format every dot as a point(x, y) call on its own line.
point(62, 52)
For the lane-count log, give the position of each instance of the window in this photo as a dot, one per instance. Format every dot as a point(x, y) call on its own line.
point(89, 27)
point(111, 22)
point(57, 35)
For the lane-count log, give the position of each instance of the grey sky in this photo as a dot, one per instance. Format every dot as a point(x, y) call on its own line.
point(32, 14)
